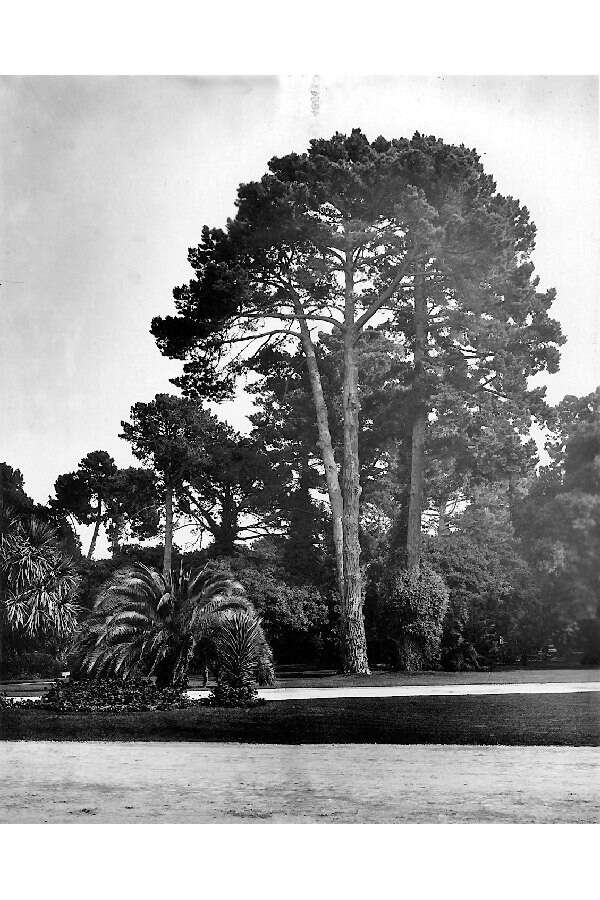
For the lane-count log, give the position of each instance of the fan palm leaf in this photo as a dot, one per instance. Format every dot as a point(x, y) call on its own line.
point(145, 623)
point(41, 581)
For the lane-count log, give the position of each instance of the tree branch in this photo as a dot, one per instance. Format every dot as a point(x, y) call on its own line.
point(383, 298)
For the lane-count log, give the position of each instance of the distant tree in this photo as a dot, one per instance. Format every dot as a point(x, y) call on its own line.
point(496, 611)
point(166, 434)
point(558, 519)
point(228, 488)
point(132, 506)
point(211, 475)
point(84, 494)
point(13, 499)
point(99, 493)
point(566, 417)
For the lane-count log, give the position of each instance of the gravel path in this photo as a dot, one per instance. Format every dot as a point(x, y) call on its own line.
point(422, 690)
point(400, 690)
point(183, 783)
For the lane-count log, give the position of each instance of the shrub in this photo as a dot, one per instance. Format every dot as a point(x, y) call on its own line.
point(412, 610)
point(226, 695)
point(295, 617)
point(5, 702)
point(108, 696)
point(111, 696)
point(39, 665)
point(457, 654)
point(239, 650)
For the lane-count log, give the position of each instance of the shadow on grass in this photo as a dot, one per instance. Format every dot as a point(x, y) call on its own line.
point(552, 719)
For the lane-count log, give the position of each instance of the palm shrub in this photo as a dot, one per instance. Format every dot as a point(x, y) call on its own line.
point(145, 623)
point(39, 581)
point(239, 648)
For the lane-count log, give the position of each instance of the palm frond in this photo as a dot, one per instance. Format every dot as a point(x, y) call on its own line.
point(143, 622)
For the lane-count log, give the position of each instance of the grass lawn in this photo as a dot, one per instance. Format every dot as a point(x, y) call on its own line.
point(512, 675)
point(550, 719)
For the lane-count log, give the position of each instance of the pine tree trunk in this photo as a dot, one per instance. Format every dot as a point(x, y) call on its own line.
point(353, 625)
point(228, 528)
point(167, 558)
point(115, 537)
point(442, 524)
point(325, 444)
point(92, 547)
point(417, 464)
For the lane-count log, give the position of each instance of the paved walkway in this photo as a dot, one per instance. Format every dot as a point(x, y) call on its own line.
point(138, 782)
point(421, 690)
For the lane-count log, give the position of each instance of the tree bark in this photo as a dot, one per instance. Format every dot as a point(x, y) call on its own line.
point(417, 464)
point(331, 469)
point(353, 625)
point(168, 554)
point(442, 525)
point(115, 536)
point(228, 527)
point(92, 546)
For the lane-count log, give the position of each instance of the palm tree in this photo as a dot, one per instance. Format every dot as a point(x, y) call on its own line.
point(39, 581)
point(151, 624)
point(238, 647)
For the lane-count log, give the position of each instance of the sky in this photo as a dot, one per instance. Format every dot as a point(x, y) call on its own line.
point(105, 182)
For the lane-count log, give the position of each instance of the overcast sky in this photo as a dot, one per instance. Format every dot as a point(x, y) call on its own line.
point(105, 183)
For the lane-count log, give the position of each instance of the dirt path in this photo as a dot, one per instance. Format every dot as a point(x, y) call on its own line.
point(173, 782)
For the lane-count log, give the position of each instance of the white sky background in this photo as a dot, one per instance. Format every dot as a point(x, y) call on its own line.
point(106, 182)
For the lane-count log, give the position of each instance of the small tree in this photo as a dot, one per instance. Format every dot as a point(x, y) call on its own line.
point(166, 434)
point(39, 581)
point(84, 494)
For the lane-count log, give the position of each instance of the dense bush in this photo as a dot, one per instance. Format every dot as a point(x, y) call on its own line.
point(227, 695)
point(496, 613)
point(411, 612)
point(27, 659)
point(38, 664)
point(296, 618)
point(109, 695)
